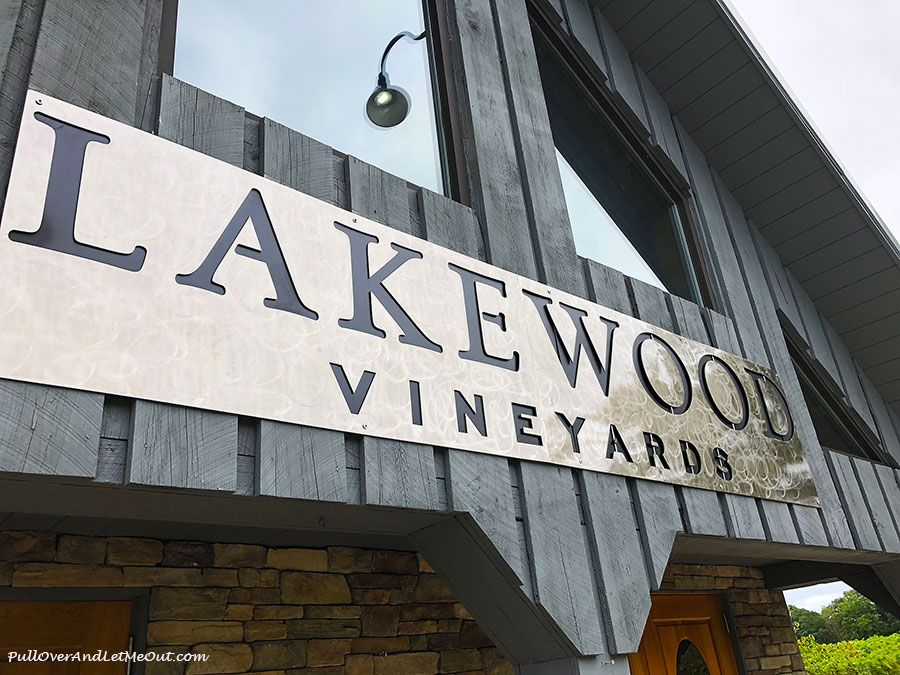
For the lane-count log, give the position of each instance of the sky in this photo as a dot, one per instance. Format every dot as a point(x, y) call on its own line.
point(311, 66)
point(840, 60)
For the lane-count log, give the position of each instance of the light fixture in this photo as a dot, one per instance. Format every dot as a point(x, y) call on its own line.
point(388, 106)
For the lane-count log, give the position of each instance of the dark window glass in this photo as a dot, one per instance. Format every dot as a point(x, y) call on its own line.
point(690, 660)
point(620, 214)
point(311, 66)
point(837, 427)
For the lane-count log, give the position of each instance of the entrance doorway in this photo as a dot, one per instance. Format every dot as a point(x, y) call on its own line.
point(686, 634)
point(63, 628)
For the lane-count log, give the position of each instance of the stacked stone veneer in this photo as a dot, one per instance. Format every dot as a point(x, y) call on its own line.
point(765, 633)
point(274, 610)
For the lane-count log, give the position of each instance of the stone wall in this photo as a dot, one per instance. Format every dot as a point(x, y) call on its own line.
point(764, 629)
point(290, 611)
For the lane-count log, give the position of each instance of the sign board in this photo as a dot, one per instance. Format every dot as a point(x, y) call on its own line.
point(134, 266)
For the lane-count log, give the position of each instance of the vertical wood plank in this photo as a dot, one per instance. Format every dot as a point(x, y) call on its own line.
point(882, 518)
point(21, 23)
point(479, 485)
point(689, 320)
point(719, 206)
point(247, 457)
point(662, 131)
point(302, 462)
point(620, 557)
point(378, 195)
point(779, 286)
point(607, 286)
point(849, 377)
point(743, 517)
point(858, 516)
point(810, 526)
point(115, 434)
point(622, 80)
point(813, 330)
point(203, 122)
point(703, 512)
point(659, 519)
point(882, 415)
point(398, 474)
point(9, 16)
point(584, 30)
point(721, 331)
point(49, 430)
point(183, 447)
point(891, 489)
point(545, 203)
point(450, 224)
point(298, 161)
point(563, 583)
point(778, 521)
point(157, 56)
point(487, 131)
point(89, 54)
point(650, 304)
point(352, 464)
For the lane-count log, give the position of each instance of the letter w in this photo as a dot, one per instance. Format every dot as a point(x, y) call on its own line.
point(569, 360)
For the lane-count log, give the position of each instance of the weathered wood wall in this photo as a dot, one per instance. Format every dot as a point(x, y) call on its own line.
point(574, 555)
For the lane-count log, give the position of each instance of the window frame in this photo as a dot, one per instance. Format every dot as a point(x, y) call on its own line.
point(441, 57)
point(661, 171)
point(816, 382)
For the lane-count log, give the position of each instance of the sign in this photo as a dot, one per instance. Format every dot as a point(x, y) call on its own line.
point(133, 266)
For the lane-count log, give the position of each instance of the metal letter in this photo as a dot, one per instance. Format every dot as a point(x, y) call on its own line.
point(582, 340)
point(474, 316)
point(254, 210)
point(57, 230)
point(758, 379)
point(366, 285)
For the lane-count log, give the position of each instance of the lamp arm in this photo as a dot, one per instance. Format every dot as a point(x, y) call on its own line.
point(382, 76)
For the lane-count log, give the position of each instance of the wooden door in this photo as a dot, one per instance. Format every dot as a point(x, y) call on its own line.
point(685, 635)
point(64, 628)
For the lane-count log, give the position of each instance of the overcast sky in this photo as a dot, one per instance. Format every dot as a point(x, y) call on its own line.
point(311, 66)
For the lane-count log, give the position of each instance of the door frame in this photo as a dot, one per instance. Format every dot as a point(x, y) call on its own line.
point(726, 611)
point(140, 608)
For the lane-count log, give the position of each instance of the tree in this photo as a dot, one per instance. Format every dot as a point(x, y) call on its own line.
point(807, 622)
point(855, 617)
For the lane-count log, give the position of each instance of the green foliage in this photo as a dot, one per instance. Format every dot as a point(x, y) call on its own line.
point(807, 622)
point(855, 617)
point(878, 655)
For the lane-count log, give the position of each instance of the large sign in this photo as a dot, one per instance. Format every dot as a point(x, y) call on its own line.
point(131, 265)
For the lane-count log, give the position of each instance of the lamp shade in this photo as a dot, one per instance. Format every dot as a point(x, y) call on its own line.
point(387, 106)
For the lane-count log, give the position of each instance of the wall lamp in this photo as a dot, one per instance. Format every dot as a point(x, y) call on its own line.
point(388, 106)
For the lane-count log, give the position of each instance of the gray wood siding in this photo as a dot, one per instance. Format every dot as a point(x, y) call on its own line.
point(553, 561)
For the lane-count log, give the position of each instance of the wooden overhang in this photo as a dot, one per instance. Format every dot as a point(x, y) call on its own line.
point(717, 82)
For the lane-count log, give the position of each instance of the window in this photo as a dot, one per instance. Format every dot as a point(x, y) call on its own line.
point(621, 214)
point(311, 66)
point(837, 426)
